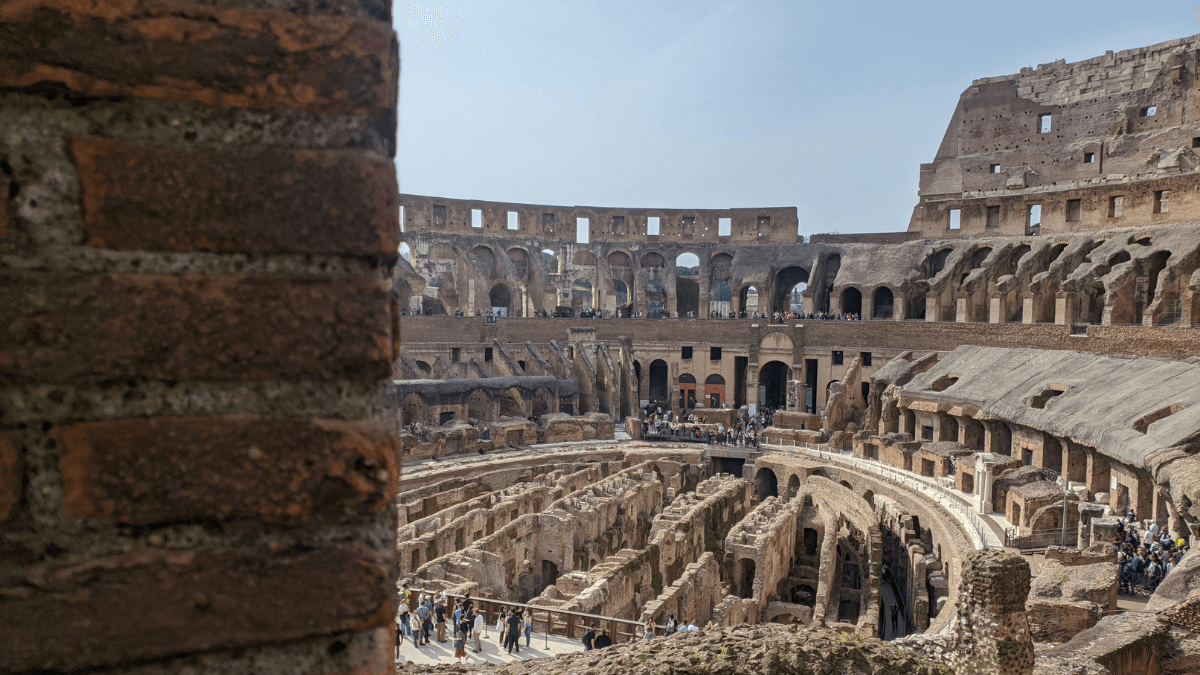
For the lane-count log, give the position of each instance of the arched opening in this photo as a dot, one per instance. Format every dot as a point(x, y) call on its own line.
point(656, 299)
point(581, 296)
point(846, 484)
point(793, 486)
point(829, 272)
point(486, 261)
point(511, 403)
point(584, 259)
point(720, 303)
point(687, 391)
point(785, 286)
point(1014, 258)
point(621, 291)
point(549, 573)
point(543, 402)
point(743, 577)
point(748, 300)
point(687, 284)
point(870, 497)
point(479, 406)
point(551, 261)
point(425, 367)
point(714, 390)
point(500, 299)
point(766, 484)
point(414, 409)
point(883, 302)
point(851, 301)
point(658, 382)
point(772, 384)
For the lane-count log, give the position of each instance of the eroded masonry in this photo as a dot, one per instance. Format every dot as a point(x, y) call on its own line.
point(1018, 370)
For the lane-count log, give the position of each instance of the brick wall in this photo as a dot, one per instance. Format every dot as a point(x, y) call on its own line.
point(197, 230)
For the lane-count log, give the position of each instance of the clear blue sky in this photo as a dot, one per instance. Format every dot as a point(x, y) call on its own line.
point(826, 106)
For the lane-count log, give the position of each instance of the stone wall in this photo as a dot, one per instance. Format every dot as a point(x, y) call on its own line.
point(197, 234)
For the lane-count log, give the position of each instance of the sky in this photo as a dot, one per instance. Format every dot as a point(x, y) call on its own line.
point(826, 106)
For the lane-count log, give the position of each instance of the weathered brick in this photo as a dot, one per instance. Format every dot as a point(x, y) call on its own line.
point(159, 198)
point(155, 604)
point(192, 327)
point(167, 49)
point(163, 469)
point(11, 477)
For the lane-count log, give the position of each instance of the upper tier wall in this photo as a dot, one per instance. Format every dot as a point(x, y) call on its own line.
point(778, 225)
point(1093, 144)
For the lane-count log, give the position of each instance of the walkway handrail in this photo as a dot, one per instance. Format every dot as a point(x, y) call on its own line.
point(971, 523)
point(567, 620)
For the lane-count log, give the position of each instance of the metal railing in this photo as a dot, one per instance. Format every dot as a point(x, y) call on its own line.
point(977, 531)
point(1038, 540)
point(559, 622)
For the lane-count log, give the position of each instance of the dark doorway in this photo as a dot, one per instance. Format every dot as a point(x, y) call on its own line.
point(851, 301)
point(730, 465)
point(883, 303)
point(658, 382)
point(810, 386)
point(772, 380)
point(740, 363)
point(785, 281)
point(766, 484)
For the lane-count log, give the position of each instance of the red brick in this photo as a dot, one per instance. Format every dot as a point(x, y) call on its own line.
point(155, 604)
point(167, 49)
point(159, 198)
point(192, 327)
point(11, 477)
point(163, 469)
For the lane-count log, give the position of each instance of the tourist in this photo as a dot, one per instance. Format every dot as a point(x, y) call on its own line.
point(514, 632)
point(439, 613)
point(895, 619)
point(500, 622)
point(477, 629)
point(669, 628)
point(460, 641)
point(402, 620)
point(423, 616)
point(650, 628)
point(589, 639)
point(527, 619)
point(692, 627)
point(603, 641)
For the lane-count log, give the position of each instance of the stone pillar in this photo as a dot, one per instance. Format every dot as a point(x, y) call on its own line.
point(983, 485)
point(899, 306)
point(962, 312)
point(1030, 307)
point(1064, 309)
point(1099, 474)
point(992, 635)
point(933, 308)
point(996, 308)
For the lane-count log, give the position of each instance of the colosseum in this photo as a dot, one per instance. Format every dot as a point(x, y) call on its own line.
point(932, 436)
point(263, 413)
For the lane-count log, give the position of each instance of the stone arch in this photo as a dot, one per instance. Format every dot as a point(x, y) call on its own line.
point(583, 259)
point(512, 404)
point(714, 390)
point(479, 405)
point(487, 260)
point(882, 304)
point(687, 284)
point(869, 496)
point(787, 279)
point(851, 301)
point(776, 341)
point(543, 402)
point(501, 299)
point(766, 484)
point(687, 391)
point(414, 409)
point(581, 295)
point(748, 299)
point(793, 485)
point(744, 571)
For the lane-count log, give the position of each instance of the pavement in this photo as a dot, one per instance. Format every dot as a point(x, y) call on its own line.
point(443, 652)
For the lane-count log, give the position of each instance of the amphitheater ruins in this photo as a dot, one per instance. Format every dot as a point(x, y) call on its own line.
point(904, 453)
point(1018, 370)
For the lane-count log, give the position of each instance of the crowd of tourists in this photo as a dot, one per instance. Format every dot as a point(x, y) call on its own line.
point(591, 313)
point(745, 431)
point(425, 617)
point(1146, 554)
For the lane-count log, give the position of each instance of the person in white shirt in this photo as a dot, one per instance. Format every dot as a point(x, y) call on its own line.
point(477, 630)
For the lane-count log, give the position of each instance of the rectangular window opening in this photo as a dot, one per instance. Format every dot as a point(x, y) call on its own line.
point(487, 353)
point(1116, 206)
point(617, 225)
point(455, 353)
point(1044, 124)
point(439, 214)
point(724, 227)
point(1162, 200)
point(993, 216)
point(955, 218)
point(1033, 215)
point(714, 353)
point(837, 358)
point(581, 230)
point(927, 433)
point(1074, 209)
point(866, 359)
point(1196, 141)
point(685, 353)
point(1150, 111)
point(401, 218)
point(1089, 158)
point(994, 168)
point(514, 220)
point(477, 218)
point(652, 224)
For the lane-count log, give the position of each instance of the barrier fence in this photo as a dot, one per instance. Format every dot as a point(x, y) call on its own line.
point(977, 531)
point(565, 623)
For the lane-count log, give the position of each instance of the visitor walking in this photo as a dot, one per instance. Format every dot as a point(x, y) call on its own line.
point(460, 641)
point(589, 639)
point(439, 612)
point(895, 619)
point(477, 630)
point(514, 632)
point(527, 619)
